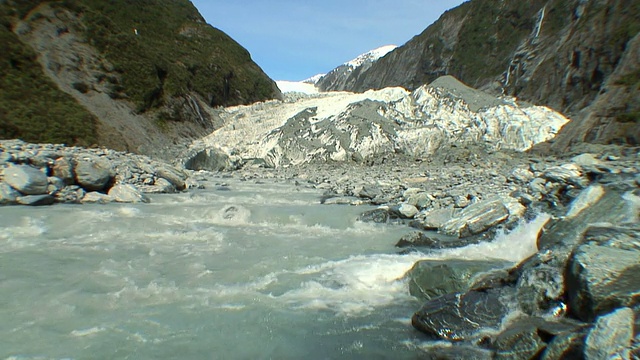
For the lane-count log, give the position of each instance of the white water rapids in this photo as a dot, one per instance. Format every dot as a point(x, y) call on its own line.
point(262, 271)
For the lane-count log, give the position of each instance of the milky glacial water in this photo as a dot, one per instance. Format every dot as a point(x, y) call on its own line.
point(262, 271)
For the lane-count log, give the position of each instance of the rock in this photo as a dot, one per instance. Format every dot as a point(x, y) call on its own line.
point(614, 236)
point(440, 351)
point(435, 219)
point(600, 279)
point(476, 218)
point(523, 198)
point(127, 193)
point(566, 174)
point(36, 200)
point(160, 186)
point(71, 194)
point(540, 290)
point(343, 200)
point(460, 201)
point(417, 198)
point(460, 316)
point(96, 197)
point(417, 239)
point(520, 175)
point(585, 159)
point(63, 169)
point(537, 186)
point(8, 195)
point(367, 192)
point(526, 337)
point(173, 175)
point(432, 278)
point(55, 184)
point(587, 198)
point(92, 175)
point(405, 211)
point(379, 216)
point(567, 346)
point(26, 179)
point(611, 336)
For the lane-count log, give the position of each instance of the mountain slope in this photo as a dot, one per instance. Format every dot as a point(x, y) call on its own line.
point(345, 75)
point(149, 71)
point(563, 54)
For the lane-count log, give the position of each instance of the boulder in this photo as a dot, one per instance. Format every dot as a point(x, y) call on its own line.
point(476, 218)
point(173, 175)
point(405, 211)
point(26, 179)
point(96, 197)
point(92, 175)
point(127, 193)
point(36, 200)
point(63, 169)
point(417, 197)
point(71, 194)
point(526, 337)
point(432, 278)
point(8, 195)
point(460, 316)
point(600, 279)
point(566, 174)
point(367, 192)
point(611, 336)
point(434, 219)
point(568, 345)
point(378, 216)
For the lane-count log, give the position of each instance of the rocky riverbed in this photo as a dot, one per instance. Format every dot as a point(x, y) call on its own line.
point(577, 296)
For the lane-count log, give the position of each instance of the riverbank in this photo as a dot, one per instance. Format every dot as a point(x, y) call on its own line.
point(464, 196)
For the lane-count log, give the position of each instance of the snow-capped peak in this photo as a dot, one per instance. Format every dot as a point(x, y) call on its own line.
point(371, 56)
point(314, 79)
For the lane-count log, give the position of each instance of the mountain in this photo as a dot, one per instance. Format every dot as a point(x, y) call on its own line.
point(344, 76)
point(581, 58)
point(134, 76)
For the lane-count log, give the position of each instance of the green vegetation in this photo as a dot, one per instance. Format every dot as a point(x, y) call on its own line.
point(162, 48)
point(489, 36)
point(31, 106)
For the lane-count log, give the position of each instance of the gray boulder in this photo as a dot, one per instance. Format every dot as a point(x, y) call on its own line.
point(600, 279)
point(568, 345)
point(36, 200)
point(96, 197)
point(566, 174)
point(63, 169)
point(460, 316)
point(26, 179)
point(367, 192)
point(93, 175)
point(611, 336)
point(378, 216)
point(405, 211)
point(434, 219)
point(8, 195)
point(476, 218)
point(432, 278)
point(127, 193)
point(173, 175)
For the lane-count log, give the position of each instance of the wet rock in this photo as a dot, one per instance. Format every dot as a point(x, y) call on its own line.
point(585, 199)
point(160, 186)
point(440, 351)
point(540, 289)
point(343, 200)
point(527, 337)
point(127, 193)
point(418, 239)
point(378, 216)
point(476, 218)
point(459, 316)
point(600, 279)
point(173, 175)
point(36, 200)
point(566, 346)
point(8, 195)
point(92, 175)
point(611, 336)
point(432, 278)
point(26, 179)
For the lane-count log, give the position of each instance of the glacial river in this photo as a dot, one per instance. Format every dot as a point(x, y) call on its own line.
point(259, 271)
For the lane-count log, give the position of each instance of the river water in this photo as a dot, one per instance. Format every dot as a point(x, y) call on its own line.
point(259, 271)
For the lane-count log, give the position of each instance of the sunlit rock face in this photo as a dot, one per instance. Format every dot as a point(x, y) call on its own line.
point(392, 121)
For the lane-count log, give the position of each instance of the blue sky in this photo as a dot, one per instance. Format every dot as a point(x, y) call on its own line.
point(294, 39)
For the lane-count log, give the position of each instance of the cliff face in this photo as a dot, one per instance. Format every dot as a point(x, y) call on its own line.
point(578, 57)
point(139, 74)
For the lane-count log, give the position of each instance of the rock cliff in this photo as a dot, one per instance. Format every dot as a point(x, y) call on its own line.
point(578, 57)
point(132, 76)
